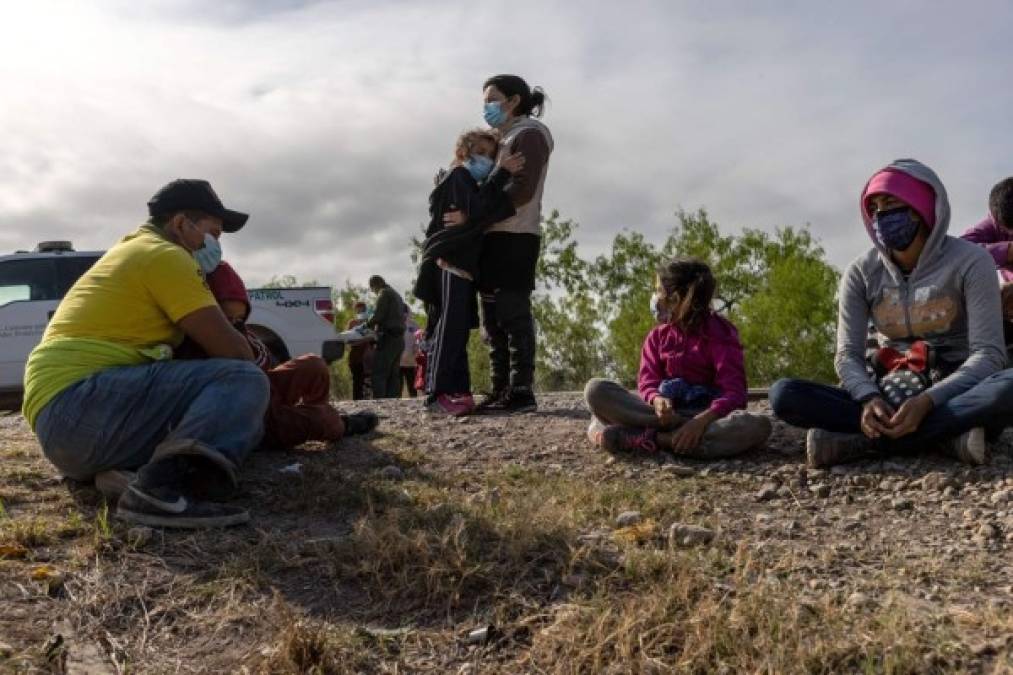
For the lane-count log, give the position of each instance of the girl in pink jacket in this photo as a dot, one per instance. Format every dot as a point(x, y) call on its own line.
point(692, 382)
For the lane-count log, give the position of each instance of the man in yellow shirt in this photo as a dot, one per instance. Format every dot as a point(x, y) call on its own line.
point(104, 395)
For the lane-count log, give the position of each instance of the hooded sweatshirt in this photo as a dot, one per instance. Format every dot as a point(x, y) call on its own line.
point(996, 240)
point(950, 299)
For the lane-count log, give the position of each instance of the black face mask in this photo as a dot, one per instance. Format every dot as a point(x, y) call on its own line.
point(895, 229)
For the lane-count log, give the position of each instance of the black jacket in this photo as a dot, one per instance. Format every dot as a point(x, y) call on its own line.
point(461, 245)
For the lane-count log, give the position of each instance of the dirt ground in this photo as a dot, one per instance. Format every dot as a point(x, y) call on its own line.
point(506, 544)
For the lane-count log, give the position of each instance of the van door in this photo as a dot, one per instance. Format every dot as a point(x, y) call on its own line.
point(29, 293)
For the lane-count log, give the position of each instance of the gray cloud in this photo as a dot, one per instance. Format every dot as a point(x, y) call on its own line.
point(327, 120)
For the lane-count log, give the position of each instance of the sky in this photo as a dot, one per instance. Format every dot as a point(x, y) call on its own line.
point(326, 120)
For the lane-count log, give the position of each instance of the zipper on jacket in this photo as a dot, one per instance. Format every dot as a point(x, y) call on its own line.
point(906, 287)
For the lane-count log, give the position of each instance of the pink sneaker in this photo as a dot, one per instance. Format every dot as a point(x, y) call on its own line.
point(616, 438)
point(454, 405)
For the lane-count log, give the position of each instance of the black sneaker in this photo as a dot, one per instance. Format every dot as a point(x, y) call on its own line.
point(516, 400)
point(491, 401)
point(360, 423)
point(161, 507)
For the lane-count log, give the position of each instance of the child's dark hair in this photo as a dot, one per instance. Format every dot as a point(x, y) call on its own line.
point(689, 288)
point(1000, 203)
point(532, 100)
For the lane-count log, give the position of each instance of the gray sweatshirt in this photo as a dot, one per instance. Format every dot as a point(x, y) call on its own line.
point(950, 300)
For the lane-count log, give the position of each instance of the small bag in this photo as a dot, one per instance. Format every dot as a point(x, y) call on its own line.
point(688, 398)
point(903, 375)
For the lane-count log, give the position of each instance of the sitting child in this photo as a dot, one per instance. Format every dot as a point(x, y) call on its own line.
point(692, 382)
point(299, 409)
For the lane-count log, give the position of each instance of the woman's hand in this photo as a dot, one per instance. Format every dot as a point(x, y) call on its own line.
point(512, 163)
point(691, 433)
point(876, 414)
point(452, 218)
point(910, 415)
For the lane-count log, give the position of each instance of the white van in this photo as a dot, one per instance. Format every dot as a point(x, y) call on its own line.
point(291, 321)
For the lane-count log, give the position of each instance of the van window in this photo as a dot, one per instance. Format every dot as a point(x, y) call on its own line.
point(69, 270)
point(28, 279)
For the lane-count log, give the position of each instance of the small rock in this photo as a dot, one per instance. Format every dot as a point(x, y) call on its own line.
point(852, 525)
point(935, 481)
point(1000, 497)
point(628, 518)
point(820, 521)
point(949, 492)
point(689, 535)
point(140, 537)
point(902, 504)
point(784, 491)
point(763, 518)
point(988, 531)
point(816, 474)
point(792, 526)
point(858, 599)
point(391, 472)
point(821, 490)
point(679, 470)
point(767, 492)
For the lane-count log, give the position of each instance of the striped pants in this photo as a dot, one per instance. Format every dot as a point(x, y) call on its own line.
point(447, 367)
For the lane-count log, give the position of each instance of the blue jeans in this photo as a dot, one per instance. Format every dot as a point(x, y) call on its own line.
point(988, 404)
point(120, 417)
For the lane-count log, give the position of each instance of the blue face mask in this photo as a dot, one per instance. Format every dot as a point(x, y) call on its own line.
point(493, 114)
point(896, 229)
point(479, 166)
point(209, 256)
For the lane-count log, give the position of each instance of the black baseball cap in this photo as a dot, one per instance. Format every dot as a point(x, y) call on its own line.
point(185, 194)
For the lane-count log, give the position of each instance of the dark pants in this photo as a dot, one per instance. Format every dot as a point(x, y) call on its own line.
point(386, 378)
point(988, 404)
point(358, 370)
point(510, 327)
point(447, 364)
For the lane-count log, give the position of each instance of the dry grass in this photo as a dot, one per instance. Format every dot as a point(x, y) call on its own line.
point(345, 571)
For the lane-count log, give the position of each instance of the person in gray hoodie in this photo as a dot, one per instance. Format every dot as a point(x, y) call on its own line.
point(915, 283)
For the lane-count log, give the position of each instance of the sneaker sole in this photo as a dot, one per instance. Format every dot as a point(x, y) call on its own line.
point(975, 452)
point(181, 522)
point(505, 411)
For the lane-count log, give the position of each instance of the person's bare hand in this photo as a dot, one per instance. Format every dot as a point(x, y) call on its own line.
point(452, 218)
point(689, 434)
point(665, 412)
point(876, 414)
point(909, 416)
point(513, 162)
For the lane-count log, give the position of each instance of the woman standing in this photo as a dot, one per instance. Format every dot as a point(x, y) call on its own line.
point(511, 246)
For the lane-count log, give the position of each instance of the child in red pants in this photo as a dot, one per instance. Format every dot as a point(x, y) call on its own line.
point(300, 408)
